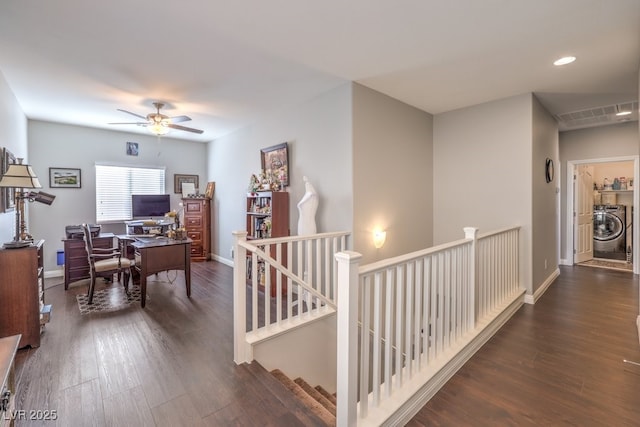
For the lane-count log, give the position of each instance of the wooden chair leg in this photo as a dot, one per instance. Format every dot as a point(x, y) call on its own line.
point(92, 286)
point(126, 274)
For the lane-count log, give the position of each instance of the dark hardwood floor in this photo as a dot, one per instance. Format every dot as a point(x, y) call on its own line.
point(171, 364)
point(558, 362)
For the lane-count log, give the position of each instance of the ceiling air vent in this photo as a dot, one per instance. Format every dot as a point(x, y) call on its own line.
point(597, 116)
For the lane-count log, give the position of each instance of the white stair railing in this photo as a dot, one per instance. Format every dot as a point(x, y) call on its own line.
point(417, 312)
point(290, 280)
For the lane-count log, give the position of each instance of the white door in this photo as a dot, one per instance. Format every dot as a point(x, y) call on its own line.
point(583, 214)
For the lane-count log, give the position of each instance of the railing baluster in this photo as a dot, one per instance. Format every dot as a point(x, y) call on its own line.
point(254, 291)
point(417, 314)
point(278, 285)
point(388, 331)
point(426, 294)
point(289, 282)
point(406, 283)
point(267, 290)
point(364, 346)
point(398, 322)
point(377, 337)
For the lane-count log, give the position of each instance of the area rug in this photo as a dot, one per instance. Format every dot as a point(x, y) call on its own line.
point(108, 300)
point(601, 263)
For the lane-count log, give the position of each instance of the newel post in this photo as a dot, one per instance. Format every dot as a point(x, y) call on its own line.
point(241, 351)
point(472, 233)
point(347, 335)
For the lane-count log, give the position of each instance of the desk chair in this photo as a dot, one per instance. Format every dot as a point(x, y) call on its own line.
point(105, 263)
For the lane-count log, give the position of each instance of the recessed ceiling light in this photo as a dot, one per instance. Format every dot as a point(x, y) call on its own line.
point(564, 61)
point(623, 113)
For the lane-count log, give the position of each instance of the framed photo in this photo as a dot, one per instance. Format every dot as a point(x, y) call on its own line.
point(211, 187)
point(64, 178)
point(8, 195)
point(275, 162)
point(179, 179)
point(132, 149)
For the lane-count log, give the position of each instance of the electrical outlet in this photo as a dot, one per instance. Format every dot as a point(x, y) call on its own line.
point(545, 264)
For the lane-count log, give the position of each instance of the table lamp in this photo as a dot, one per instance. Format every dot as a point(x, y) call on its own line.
point(19, 177)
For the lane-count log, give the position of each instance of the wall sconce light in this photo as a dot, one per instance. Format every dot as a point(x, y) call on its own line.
point(379, 237)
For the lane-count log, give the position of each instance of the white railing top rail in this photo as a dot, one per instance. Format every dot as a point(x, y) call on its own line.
point(390, 262)
point(495, 232)
point(253, 247)
point(250, 244)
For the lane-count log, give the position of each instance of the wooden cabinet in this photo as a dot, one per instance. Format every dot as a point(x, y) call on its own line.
point(8, 347)
point(197, 222)
point(22, 293)
point(267, 217)
point(76, 265)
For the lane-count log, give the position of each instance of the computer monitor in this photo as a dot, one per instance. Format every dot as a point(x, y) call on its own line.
point(150, 205)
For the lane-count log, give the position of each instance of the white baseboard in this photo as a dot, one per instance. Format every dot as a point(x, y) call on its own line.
point(222, 260)
point(531, 299)
point(54, 273)
point(564, 261)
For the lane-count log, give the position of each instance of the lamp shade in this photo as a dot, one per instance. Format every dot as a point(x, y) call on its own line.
point(19, 176)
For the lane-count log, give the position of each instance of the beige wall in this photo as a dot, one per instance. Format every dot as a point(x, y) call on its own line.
point(319, 136)
point(392, 175)
point(13, 136)
point(545, 198)
point(60, 145)
point(483, 172)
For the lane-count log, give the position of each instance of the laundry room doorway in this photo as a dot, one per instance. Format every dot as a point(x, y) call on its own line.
point(601, 207)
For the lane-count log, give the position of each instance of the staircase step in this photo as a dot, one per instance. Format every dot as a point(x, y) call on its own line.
point(311, 391)
point(295, 406)
point(314, 406)
point(325, 393)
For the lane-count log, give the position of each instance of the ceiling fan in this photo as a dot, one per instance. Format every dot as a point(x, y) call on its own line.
point(159, 123)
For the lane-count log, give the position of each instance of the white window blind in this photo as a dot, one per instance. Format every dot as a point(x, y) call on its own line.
point(116, 184)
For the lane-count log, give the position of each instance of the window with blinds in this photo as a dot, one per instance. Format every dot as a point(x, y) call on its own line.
point(116, 184)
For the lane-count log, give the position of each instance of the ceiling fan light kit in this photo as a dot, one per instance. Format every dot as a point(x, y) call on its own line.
point(159, 124)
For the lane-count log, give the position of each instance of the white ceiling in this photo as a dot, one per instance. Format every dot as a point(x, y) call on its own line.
point(225, 63)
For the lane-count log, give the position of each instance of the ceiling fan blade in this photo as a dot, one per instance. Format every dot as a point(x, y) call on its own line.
point(178, 127)
point(130, 123)
point(178, 119)
point(133, 114)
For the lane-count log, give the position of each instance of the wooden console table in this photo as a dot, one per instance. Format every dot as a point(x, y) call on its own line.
point(76, 263)
point(8, 347)
point(162, 254)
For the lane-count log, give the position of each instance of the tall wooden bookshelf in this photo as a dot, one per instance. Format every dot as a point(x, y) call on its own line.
point(267, 216)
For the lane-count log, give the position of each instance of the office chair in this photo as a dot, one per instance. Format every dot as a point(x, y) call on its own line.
point(105, 263)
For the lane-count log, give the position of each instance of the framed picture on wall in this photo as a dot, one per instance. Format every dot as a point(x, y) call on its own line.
point(64, 178)
point(179, 179)
point(7, 194)
point(275, 162)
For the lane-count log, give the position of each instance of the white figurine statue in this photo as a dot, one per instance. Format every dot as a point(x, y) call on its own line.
point(307, 207)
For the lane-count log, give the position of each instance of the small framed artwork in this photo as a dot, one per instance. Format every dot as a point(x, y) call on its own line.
point(275, 162)
point(64, 178)
point(211, 187)
point(8, 194)
point(179, 179)
point(132, 149)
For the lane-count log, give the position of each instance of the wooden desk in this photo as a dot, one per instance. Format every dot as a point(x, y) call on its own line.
point(76, 263)
point(156, 255)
